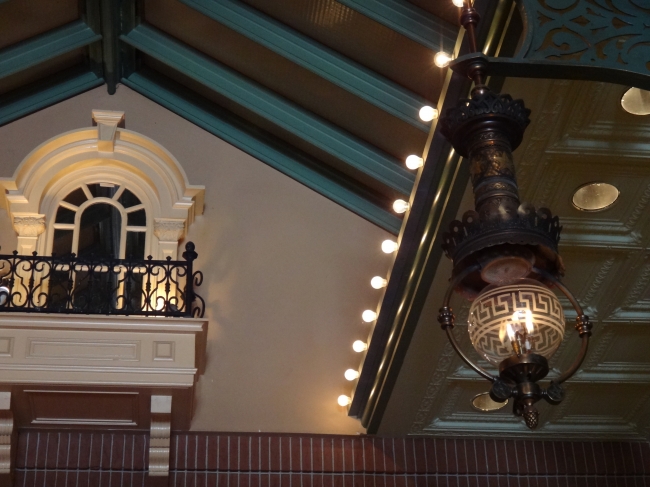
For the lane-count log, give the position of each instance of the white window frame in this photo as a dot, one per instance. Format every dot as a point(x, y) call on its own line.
point(105, 153)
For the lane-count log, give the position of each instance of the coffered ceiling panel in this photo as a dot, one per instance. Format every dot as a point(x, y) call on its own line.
point(579, 134)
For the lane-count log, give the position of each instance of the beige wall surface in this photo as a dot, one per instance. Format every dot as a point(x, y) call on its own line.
point(286, 270)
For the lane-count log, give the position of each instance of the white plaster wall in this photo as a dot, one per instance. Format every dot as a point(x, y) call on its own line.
point(287, 272)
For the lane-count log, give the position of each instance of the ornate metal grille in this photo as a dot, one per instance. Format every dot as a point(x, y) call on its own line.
point(88, 285)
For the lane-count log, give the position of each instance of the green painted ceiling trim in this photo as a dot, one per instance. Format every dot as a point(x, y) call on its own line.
point(47, 92)
point(311, 55)
point(410, 21)
point(267, 104)
point(46, 46)
point(262, 146)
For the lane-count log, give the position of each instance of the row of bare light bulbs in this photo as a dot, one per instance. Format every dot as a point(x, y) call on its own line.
point(427, 114)
point(368, 316)
point(414, 162)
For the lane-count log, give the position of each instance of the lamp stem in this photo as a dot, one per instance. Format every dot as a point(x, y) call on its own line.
point(492, 170)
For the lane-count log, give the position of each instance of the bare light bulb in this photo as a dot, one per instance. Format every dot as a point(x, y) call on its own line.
point(344, 400)
point(359, 346)
point(351, 374)
point(428, 113)
point(441, 59)
point(388, 246)
point(378, 282)
point(400, 206)
point(368, 316)
point(414, 162)
point(458, 3)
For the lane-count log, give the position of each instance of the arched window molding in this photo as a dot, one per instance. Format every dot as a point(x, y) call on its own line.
point(102, 154)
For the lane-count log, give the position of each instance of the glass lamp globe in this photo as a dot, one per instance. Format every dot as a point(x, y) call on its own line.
point(516, 318)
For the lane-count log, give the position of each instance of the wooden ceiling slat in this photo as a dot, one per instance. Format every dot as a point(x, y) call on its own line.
point(263, 146)
point(44, 47)
point(47, 92)
point(409, 20)
point(311, 55)
point(269, 105)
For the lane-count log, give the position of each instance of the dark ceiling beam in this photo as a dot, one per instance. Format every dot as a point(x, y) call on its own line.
point(261, 145)
point(437, 195)
point(410, 21)
point(46, 46)
point(311, 55)
point(46, 92)
point(267, 104)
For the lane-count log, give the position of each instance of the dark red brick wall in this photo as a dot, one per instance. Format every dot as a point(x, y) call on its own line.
point(86, 459)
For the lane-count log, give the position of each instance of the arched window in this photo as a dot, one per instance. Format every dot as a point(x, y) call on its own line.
point(100, 219)
point(104, 191)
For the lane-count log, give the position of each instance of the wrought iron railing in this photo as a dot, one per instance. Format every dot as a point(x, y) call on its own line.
point(89, 285)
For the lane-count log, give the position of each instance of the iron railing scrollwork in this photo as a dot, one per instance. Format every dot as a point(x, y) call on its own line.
point(97, 285)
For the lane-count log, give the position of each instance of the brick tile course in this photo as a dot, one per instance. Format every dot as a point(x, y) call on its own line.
point(271, 460)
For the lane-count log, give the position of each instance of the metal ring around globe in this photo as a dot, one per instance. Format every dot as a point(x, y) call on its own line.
point(452, 285)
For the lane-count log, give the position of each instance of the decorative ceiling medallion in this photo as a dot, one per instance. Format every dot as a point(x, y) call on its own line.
point(636, 101)
point(596, 196)
point(484, 403)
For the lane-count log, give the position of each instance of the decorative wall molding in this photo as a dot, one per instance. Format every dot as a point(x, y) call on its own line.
point(6, 433)
point(169, 230)
point(101, 350)
point(107, 123)
point(160, 439)
point(28, 227)
point(435, 384)
point(597, 282)
point(62, 164)
point(639, 208)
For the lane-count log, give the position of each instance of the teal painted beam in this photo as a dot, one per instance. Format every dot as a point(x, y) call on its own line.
point(278, 110)
point(46, 46)
point(311, 55)
point(263, 146)
point(410, 21)
point(41, 94)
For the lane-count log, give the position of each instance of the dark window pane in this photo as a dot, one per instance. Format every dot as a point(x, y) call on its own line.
point(99, 231)
point(64, 215)
point(135, 245)
point(137, 219)
point(77, 197)
point(62, 242)
point(128, 199)
point(103, 190)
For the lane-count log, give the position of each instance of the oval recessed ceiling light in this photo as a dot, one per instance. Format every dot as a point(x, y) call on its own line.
point(483, 402)
point(636, 101)
point(595, 196)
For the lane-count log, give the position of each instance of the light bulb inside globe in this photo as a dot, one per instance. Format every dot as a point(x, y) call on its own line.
point(344, 400)
point(388, 246)
point(359, 346)
point(414, 162)
point(458, 3)
point(400, 206)
point(428, 113)
point(368, 316)
point(441, 59)
point(517, 318)
point(351, 374)
point(378, 282)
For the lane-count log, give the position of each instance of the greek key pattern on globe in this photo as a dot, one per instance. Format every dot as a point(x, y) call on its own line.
point(527, 313)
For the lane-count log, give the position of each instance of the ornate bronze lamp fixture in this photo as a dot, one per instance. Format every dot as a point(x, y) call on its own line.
point(505, 254)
